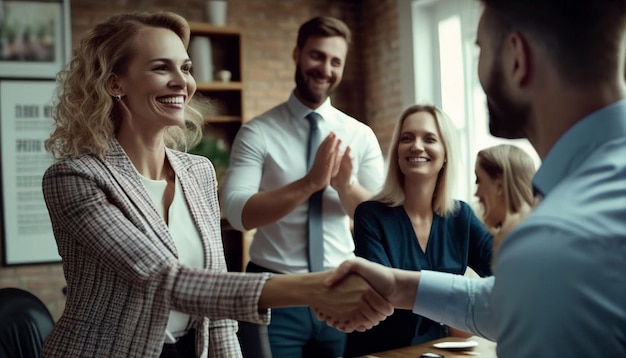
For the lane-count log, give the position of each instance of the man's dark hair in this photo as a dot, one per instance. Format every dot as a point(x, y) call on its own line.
point(583, 38)
point(322, 26)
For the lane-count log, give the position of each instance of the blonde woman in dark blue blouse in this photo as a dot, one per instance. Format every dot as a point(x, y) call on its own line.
point(414, 224)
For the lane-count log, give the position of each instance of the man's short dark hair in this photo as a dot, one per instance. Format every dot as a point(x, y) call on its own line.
point(581, 37)
point(323, 26)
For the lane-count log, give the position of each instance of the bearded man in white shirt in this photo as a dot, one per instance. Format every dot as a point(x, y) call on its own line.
point(269, 183)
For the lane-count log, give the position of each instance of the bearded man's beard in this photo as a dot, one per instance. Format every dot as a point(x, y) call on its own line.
point(305, 91)
point(507, 118)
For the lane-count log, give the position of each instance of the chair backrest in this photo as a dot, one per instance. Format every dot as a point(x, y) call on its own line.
point(25, 322)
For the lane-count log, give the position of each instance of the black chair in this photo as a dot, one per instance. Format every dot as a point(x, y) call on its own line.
point(254, 340)
point(25, 322)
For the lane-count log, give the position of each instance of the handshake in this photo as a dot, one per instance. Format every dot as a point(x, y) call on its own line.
point(356, 296)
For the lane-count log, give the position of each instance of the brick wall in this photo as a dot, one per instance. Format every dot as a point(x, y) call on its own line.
point(382, 100)
point(271, 28)
point(44, 281)
point(369, 91)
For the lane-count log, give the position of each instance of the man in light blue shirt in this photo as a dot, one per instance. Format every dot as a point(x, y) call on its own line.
point(553, 72)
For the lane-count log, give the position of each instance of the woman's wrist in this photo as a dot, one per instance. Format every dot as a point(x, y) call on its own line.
point(291, 290)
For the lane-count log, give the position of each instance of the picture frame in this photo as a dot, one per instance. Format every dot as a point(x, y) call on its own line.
point(25, 123)
point(34, 38)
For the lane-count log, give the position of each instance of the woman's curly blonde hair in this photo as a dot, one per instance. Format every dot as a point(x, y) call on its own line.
point(85, 114)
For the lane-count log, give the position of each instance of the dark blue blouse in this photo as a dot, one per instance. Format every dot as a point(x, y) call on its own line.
point(385, 235)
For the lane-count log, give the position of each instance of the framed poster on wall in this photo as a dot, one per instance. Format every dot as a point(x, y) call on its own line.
point(25, 123)
point(34, 38)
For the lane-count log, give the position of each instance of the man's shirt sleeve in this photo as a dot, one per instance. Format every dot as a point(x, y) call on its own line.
point(457, 301)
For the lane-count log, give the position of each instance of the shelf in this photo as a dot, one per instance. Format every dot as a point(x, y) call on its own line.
point(219, 86)
point(226, 54)
point(202, 28)
point(226, 115)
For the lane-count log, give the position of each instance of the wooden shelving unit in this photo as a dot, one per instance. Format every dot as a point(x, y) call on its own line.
point(227, 54)
point(224, 121)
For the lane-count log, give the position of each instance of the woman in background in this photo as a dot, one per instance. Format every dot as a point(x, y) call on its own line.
point(504, 187)
point(137, 224)
point(414, 224)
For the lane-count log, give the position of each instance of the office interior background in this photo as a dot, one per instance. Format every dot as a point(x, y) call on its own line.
point(403, 52)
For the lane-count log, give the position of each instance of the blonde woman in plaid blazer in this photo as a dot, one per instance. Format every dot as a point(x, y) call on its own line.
point(117, 197)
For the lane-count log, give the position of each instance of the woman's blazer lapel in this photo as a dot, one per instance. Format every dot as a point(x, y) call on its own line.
point(196, 201)
point(128, 179)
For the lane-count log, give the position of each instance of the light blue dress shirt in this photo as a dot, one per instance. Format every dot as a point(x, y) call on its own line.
point(270, 152)
point(559, 288)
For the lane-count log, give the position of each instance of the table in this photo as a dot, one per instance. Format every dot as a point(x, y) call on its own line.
point(485, 349)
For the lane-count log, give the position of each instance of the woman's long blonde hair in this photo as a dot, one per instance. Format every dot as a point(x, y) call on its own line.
point(515, 167)
point(392, 192)
point(86, 115)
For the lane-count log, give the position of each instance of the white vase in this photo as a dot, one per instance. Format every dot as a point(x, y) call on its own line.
point(216, 12)
point(223, 75)
point(201, 57)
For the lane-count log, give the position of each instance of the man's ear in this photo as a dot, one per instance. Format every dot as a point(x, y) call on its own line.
point(295, 54)
point(519, 63)
point(113, 86)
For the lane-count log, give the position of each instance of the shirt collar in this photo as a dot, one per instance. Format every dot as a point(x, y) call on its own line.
point(299, 110)
point(577, 144)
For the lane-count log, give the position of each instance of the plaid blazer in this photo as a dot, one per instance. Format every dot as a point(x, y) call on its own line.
point(121, 265)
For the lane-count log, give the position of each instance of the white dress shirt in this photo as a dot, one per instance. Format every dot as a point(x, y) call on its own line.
point(186, 239)
point(270, 152)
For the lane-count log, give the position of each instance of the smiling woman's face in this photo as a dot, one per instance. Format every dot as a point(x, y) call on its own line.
point(420, 147)
point(157, 83)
